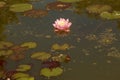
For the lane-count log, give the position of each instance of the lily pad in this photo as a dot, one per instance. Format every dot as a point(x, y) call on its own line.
point(19, 75)
point(51, 73)
point(36, 13)
point(18, 49)
point(5, 44)
point(23, 68)
point(108, 15)
point(2, 4)
point(69, 1)
point(41, 56)
point(6, 52)
point(22, 7)
point(29, 45)
point(60, 47)
point(26, 78)
point(98, 8)
point(58, 5)
point(17, 57)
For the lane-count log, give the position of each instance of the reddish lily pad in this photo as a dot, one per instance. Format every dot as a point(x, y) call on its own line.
point(58, 5)
point(17, 57)
point(36, 13)
point(50, 64)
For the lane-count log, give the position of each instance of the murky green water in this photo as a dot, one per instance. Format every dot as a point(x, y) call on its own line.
point(95, 52)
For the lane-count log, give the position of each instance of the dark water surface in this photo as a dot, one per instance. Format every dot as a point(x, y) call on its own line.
point(87, 61)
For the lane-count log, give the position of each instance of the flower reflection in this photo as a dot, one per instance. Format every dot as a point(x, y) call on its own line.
point(62, 25)
point(61, 33)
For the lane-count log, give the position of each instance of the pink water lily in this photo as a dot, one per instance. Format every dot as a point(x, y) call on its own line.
point(62, 25)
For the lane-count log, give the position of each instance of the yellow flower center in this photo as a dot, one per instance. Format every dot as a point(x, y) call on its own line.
point(61, 23)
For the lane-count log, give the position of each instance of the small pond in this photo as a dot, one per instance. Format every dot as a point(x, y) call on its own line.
point(60, 39)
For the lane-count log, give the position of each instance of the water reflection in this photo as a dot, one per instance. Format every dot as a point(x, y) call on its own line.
point(94, 53)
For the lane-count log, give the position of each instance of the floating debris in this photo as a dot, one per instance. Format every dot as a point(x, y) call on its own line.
point(57, 5)
point(107, 37)
point(36, 13)
point(91, 37)
point(61, 58)
point(113, 52)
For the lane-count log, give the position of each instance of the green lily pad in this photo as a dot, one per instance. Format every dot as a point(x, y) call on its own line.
point(50, 73)
point(60, 47)
point(108, 15)
point(98, 8)
point(20, 7)
point(26, 78)
point(41, 56)
point(6, 52)
point(29, 44)
point(5, 44)
point(69, 1)
point(23, 68)
point(19, 75)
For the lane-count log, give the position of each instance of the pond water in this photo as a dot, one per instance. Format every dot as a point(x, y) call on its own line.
point(93, 42)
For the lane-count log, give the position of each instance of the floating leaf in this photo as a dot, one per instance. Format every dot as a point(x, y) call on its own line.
point(29, 44)
point(5, 44)
point(55, 47)
point(108, 15)
point(17, 57)
point(98, 8)
point(65, 46)
point(18, 49)
point(19, 75)
point(50, 73)
point(6, 52)
point(2, 4)
point(60, 47)
point(50, 64)
point(41, 56)
point(23, 68)
point(26, 78)
point(57, 5)
point(20, 7)
point(69, 1)
point(36, 13)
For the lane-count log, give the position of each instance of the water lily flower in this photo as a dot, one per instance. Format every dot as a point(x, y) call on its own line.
point(62, 25)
